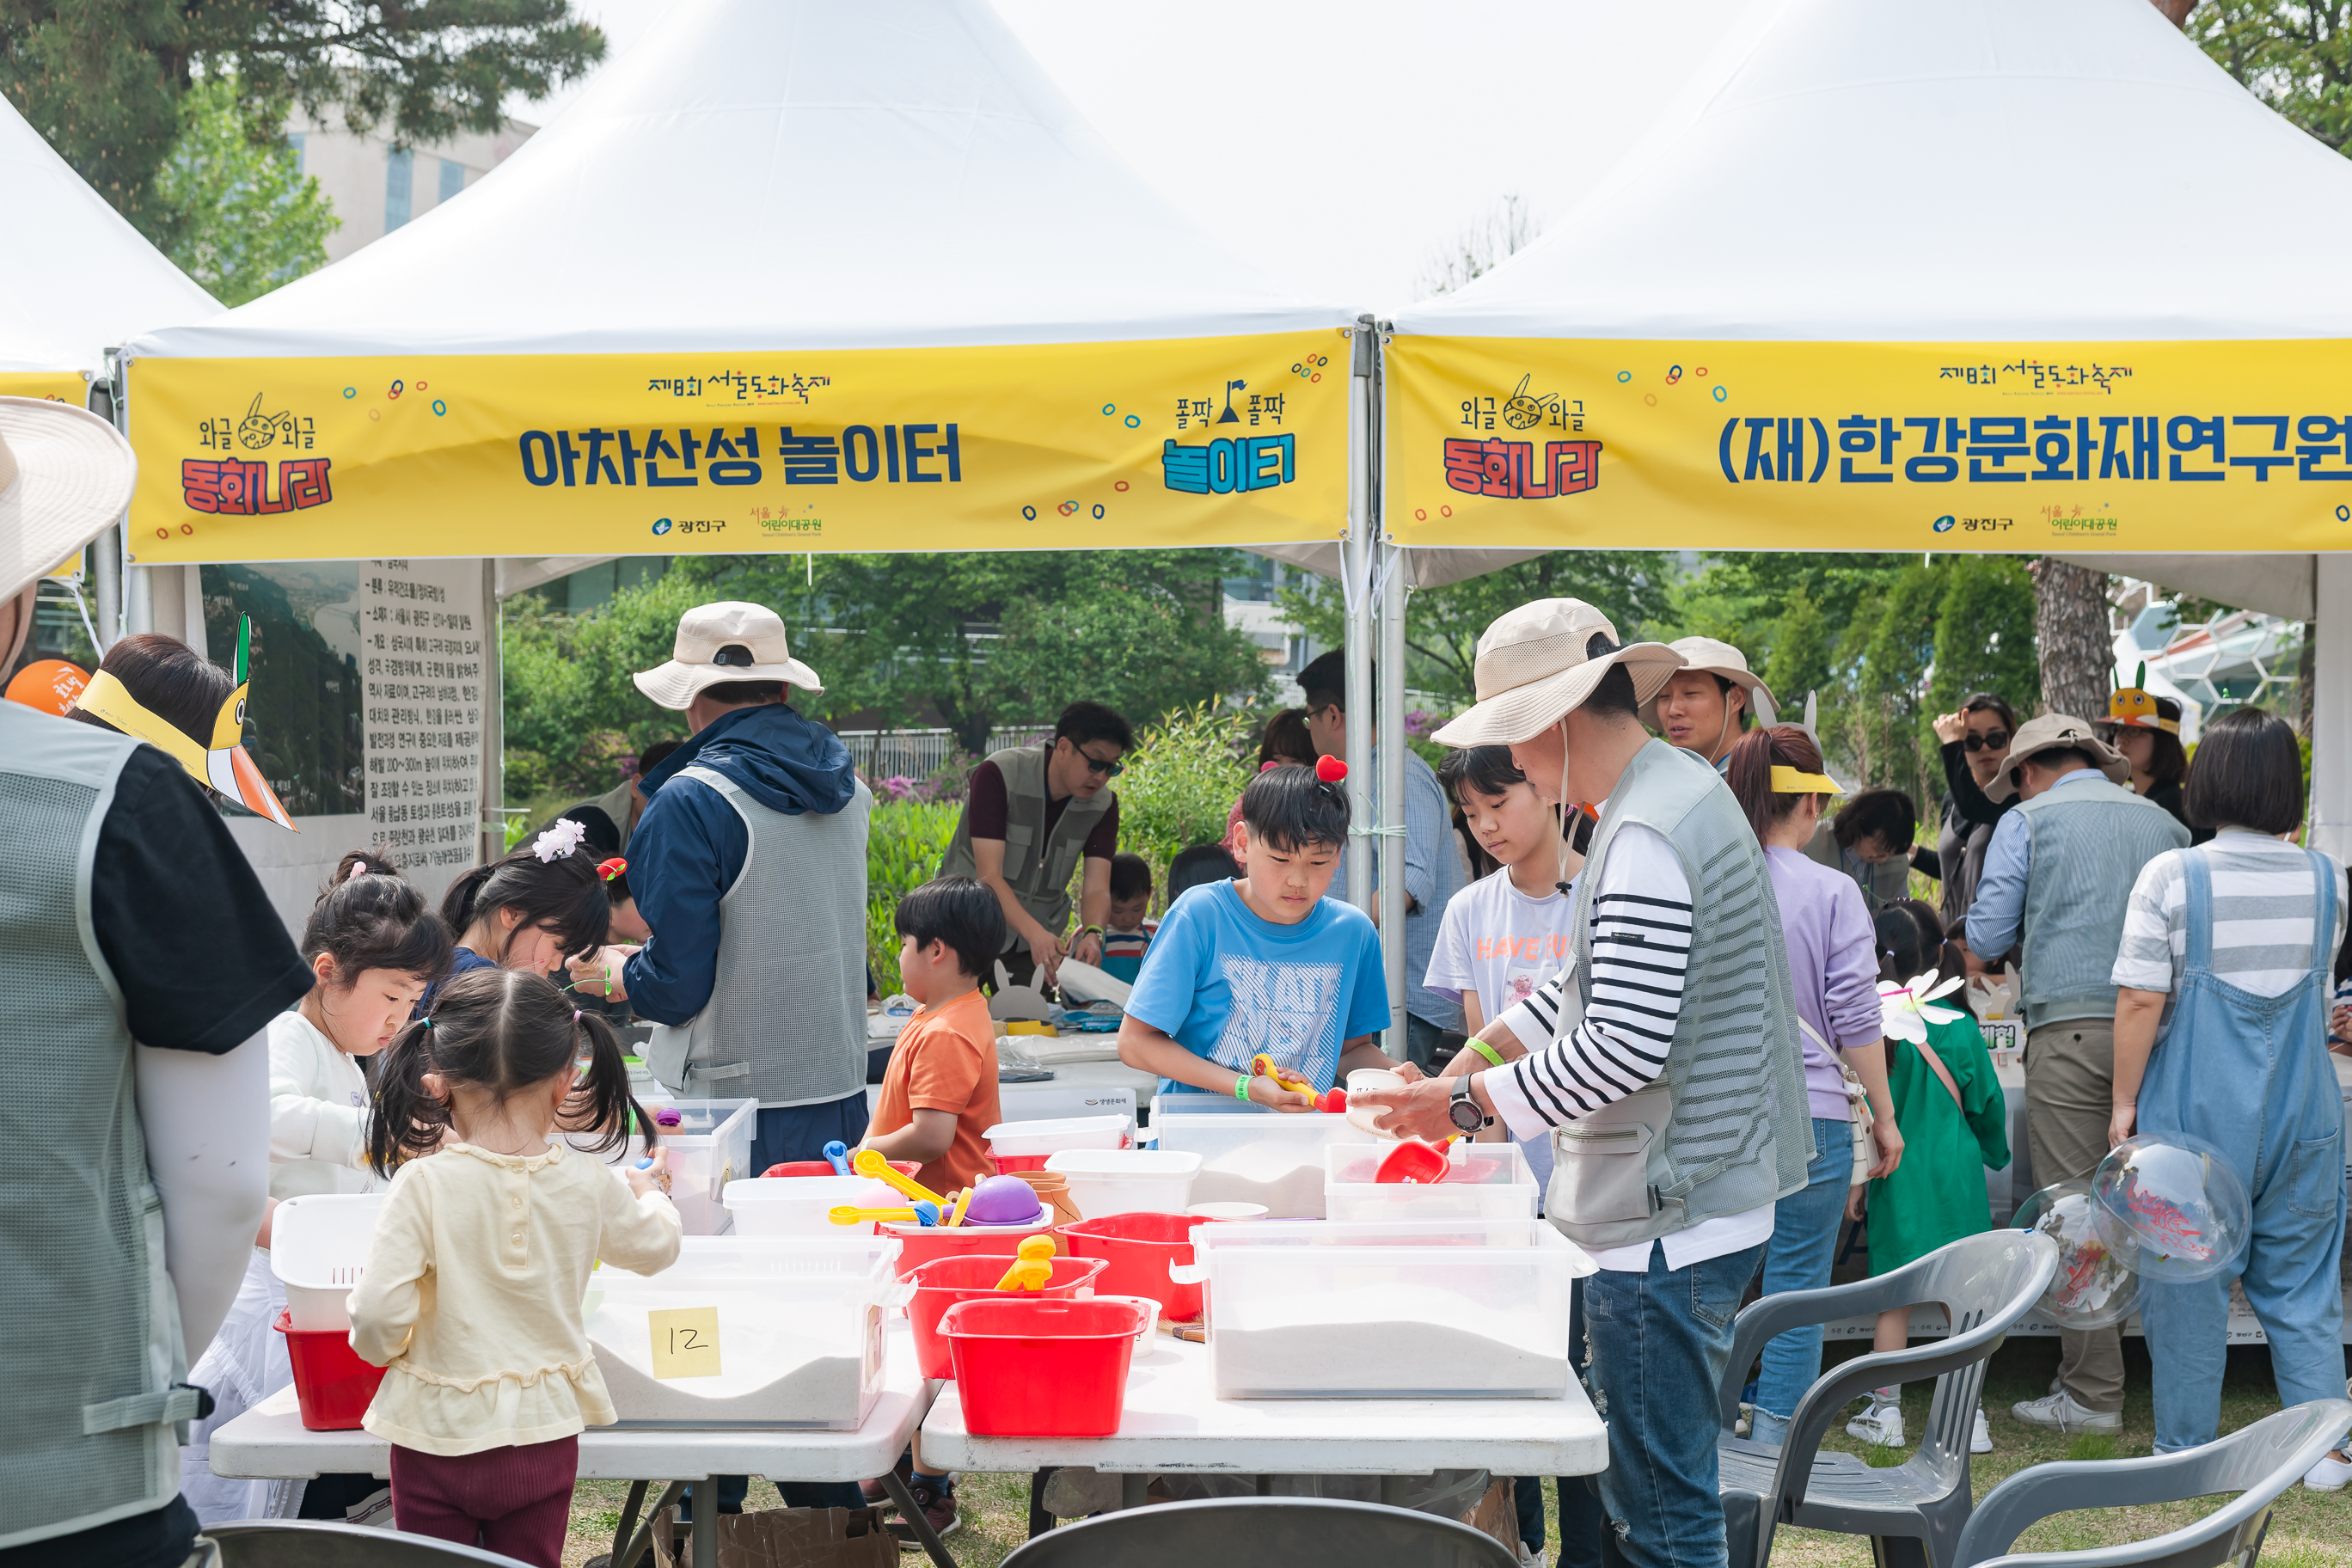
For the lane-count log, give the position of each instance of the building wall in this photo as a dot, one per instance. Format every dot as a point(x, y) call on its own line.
point(362, 175)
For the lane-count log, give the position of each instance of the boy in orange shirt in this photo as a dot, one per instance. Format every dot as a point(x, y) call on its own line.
point(939, 1095)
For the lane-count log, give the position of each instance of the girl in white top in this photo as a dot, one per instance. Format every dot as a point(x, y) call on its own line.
point(470, 1298)
point(373, 945)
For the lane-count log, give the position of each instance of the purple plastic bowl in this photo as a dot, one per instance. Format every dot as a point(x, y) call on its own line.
point(1004, 1199)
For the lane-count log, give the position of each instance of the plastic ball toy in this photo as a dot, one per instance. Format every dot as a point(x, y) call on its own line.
point(2095, 1285)
point(2173, 1197)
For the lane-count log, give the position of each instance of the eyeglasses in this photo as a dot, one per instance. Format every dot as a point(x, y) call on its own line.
point(1101, 768)
point(1992, 741)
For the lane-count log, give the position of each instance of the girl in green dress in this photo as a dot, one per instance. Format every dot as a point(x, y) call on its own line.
point(1953, 1123)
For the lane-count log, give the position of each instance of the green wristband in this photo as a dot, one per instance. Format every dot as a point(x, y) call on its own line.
point(1241, 1088)
point(1493, 1058)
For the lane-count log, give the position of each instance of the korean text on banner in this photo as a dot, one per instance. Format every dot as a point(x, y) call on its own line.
point(1184, 442)
point(2013, 447)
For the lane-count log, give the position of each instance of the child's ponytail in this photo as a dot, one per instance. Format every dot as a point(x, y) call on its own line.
point(601, 1102)
point(408, 1121)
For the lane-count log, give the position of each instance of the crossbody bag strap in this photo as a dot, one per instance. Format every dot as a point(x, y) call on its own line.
point(1943, 1074)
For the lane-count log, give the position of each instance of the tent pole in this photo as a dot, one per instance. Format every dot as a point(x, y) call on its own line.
point(2331, 707)
point(1355, 566)
point(1391, 776)
point(494, 718)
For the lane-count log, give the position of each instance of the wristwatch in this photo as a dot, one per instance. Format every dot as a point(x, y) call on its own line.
point(1462, 1110)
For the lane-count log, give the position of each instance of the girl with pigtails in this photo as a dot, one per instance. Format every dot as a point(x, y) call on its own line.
point(489, 1379)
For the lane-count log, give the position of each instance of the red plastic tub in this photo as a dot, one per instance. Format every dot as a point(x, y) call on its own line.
point(1139, 1247)
point(333, 1384)
point(1026, 1368)
point(1012, 1164)
point(907, 1168)
point(943, 1281)
point(924, 1243)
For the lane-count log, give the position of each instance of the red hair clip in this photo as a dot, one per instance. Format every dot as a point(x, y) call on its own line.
point(1330, 770)
point(610, 868)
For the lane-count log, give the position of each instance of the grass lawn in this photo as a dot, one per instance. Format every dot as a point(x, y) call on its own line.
point(2308, 1530)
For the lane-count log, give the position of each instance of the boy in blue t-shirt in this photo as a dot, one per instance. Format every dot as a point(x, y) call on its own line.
point(1127, 930)
point(1264, 962)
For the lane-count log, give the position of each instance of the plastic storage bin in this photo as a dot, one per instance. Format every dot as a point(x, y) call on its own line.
point(1422, 1309)
point(1140, 1249)
point(1484, 1180)
point(317, 1246)
point(943, 1281)
point(746, 1331)
point(1044, 1369)
point(710, 1147)
point(1127, 1180)
point(799, 1168)
point(333, 1386)
point(798, 1205)
point(1258, 1158)
point(1025, 1145)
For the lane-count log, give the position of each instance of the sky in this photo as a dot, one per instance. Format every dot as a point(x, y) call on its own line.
point(1398, 125)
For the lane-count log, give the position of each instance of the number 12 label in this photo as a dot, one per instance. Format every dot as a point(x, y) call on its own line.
point(686, 1342)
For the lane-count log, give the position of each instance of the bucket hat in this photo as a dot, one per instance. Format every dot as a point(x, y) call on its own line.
point(1532, 667)
point(1711, 656)
point(65, 477)
point(723, 642)
point(2051, 732)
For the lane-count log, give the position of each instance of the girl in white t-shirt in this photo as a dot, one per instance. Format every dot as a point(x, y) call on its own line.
point(373, 944)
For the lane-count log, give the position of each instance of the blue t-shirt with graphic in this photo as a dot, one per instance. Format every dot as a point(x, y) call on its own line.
point(1226, 984)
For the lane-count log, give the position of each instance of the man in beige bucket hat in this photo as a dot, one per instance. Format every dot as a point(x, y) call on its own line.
point(1674, 1033)
point(148, 1038)
point(2058, 874)
point(1704, 706)
point(748, 864)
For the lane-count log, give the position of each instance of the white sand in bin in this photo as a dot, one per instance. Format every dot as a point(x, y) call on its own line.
point(765, 1379)
point(1396, 1359)
point(1286, 1179)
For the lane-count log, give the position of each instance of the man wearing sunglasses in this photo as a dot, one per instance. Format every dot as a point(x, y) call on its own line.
point(1030, 816)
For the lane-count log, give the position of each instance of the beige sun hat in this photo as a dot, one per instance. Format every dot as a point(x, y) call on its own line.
point(727, 641)
point(2050, 732)
point(1711, 656)
point(65, 479)
point(1532, 667)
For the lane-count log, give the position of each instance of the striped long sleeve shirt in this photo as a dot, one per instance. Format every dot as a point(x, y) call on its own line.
point(1641, 916)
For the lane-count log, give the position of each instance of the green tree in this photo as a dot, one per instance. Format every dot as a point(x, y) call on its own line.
point(251, 218)
point(1984, 633)
point(102, 80)
point(571, 708)
point(2295, 57)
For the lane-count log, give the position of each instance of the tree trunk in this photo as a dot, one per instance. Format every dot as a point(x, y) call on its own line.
point(2306, 668)
point(2176, 11)
point(2070, 631)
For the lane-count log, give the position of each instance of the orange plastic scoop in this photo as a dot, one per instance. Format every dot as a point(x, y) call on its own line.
point(1414, 1162)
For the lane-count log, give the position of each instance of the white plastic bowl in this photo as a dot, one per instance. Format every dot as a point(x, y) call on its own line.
point(1227, 1211)
point(1370, 1077)
point(799, 1205)
point(1127, 1180)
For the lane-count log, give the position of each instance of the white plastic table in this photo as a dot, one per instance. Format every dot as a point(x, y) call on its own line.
point(1173, 1422)
point(268, 1442)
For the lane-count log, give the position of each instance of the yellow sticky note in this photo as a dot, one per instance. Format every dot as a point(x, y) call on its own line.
point(686, 1342)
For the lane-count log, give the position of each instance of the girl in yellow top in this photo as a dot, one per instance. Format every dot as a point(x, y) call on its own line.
point(471, 1295)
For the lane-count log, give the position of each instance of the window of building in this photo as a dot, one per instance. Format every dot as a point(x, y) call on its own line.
point(399, 173)
point(453, 178)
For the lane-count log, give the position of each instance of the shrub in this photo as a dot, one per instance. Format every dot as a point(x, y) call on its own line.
point(904, 842)
point(1180, 784)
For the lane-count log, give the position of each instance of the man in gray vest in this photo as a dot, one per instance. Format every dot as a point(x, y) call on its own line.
point(748, 864)
point(2059, 871)
point(1678, 1037)
point(1031, 815)
point(145, 963)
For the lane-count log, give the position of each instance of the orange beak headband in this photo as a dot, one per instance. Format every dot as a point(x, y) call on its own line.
point(2135, 706)
point(224, 766)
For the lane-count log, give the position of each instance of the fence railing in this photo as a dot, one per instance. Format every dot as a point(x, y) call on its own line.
point(916, 754)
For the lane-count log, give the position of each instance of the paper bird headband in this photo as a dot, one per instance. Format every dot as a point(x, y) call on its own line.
point(2135, 705)
point(223, 765)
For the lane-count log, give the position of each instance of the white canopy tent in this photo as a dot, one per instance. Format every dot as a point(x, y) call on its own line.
point(1969, 173)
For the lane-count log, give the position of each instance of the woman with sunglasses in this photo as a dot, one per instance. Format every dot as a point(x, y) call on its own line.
point(1976, 743)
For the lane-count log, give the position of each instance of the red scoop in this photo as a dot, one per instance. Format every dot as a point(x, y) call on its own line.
point(1414, 1162)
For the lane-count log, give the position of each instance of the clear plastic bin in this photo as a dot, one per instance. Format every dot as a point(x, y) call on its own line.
point(710, 1147)
point(1258, 1158)
point(796, 1323)
point(1127, 1180)
point(1025, 1145)
point(803, 1205)
point(1485, 1180)
point(1422, 1309)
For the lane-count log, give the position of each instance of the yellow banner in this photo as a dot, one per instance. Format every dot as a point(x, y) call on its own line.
point(1195, 441)
point(58, 386)
point(2024, 447)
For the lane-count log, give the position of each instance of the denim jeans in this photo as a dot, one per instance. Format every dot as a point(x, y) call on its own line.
point(1804, 1241)
point(1661, 1346)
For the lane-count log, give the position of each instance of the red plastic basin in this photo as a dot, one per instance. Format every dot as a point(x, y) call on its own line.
point(1027, 1368)
point(1009, 1164)
point(1139, 1247)
point(924, 1243)
point(907, 1168)
point(333, 1384)
point(943, 1281)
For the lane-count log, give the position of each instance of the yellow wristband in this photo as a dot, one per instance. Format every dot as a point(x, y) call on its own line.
point(1493, 1058)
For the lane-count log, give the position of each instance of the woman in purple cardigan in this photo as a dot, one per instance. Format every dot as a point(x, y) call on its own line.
point(1776, 775)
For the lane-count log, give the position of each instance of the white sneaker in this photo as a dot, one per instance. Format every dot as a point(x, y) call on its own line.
point(1742, 1427)
point(1533, 1556)
point(2059, 1413)
point(1881, 1423)
point(1980, 1435)
point(2330, 1474)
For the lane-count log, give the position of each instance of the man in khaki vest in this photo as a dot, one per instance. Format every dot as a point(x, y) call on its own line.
point(1030, 814)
